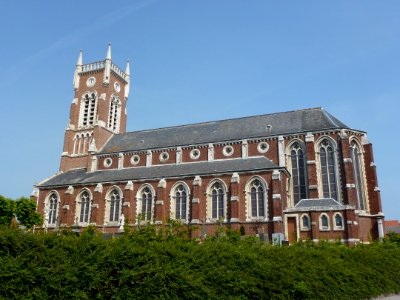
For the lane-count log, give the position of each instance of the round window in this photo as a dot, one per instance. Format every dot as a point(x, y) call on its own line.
point(195, 154)
point(164, 156)
point(107, 162)
point(135, 159)
point(91, 81)
point(228, 150)
point(262, 147)
point(117, 87)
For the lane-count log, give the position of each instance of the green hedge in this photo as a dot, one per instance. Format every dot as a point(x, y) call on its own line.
point(150, 265)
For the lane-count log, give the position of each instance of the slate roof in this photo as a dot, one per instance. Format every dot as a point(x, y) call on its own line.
point(318, 204)
point(80, 176)
point(298, 121)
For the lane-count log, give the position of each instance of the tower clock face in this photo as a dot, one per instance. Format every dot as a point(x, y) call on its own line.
point(91, 81)
point(117, 87)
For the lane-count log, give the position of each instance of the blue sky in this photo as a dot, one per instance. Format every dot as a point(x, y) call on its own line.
point(196, 61)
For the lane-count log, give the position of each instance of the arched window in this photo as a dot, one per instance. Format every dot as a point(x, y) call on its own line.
point(115, 206)
point(180, 200)
point(257, 199)
point(305, 222)
point(338, 221)
point(328, 169)
point(88, 109)
point(84, 206)
point(145, 201)
point(52, 209)
point(324, 222)
point(216, 201)
point(356, 156)
point(114, 114)
point(298, 168)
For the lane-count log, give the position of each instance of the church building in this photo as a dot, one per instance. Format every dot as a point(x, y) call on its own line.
point(290, 176)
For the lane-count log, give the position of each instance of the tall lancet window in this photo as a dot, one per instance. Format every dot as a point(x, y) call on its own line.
point(299, 177)
point(145, 202)
point(114, 114)
point(180, 197)
point(257, 197)
point(115, 206)
point(328, 169)
point(84, 214)
point(52, 208)
point(217, 201)
point(88, 109)
point(356, 156)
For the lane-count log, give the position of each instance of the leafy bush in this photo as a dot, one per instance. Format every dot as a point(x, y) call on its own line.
point(152, 263)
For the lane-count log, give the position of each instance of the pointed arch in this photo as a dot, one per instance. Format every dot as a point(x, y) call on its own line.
point(88, 109)
point(305, 222)
point(328, 168)
point(338, 221)
point(256, 190)
point(145, 201)
point(51, 208)
point(83, 207)
point(357, 157)
point(114, 197)
point(324, 222)
point(217, 200)
point(114, 114)
point(297, 166)
point(180, 201)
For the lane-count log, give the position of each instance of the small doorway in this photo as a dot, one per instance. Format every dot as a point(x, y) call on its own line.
point(292, 230)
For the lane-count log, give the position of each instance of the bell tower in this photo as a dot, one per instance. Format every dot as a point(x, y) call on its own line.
point(98, 110)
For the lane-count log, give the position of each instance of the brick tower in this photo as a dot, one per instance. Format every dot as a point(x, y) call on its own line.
point(98, 110)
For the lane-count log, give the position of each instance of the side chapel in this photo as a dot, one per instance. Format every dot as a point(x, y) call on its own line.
point(293, 175)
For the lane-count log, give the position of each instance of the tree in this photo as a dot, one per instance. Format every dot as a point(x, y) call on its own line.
point(25, 210)
point(6, 211)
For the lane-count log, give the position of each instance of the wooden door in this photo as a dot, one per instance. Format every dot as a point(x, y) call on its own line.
point(292, 230)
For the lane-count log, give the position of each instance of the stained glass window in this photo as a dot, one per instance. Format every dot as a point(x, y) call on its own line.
point(358, 174)
point(115, 205)
point(217, 203)
point(328, 170)
point(85, 207)
point(53, 202)
point(299, 179)
point(147, 204)
point(180, 202)
point(257, 199)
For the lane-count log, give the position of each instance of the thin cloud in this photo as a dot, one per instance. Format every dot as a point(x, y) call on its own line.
point(20, 68)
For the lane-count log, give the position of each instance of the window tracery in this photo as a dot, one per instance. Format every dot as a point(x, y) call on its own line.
point(83, 207)
point(328, 168)
point(358, 174)
point(298, 171)
point(145, 201)
point(180, 201)
point(114, 206)
point(52, 207)
point(216, 201)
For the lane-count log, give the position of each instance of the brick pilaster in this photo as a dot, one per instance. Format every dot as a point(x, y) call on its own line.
point(195, 207)
point(96, 215)
point(129, 205)
point(314, 222)
point(234, 200)
point(350, 196)
point(311, 167)
point(277, 212)
point(159, 207)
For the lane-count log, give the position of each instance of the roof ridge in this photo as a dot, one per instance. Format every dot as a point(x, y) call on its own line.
point(328, 115)
point(222, 120)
